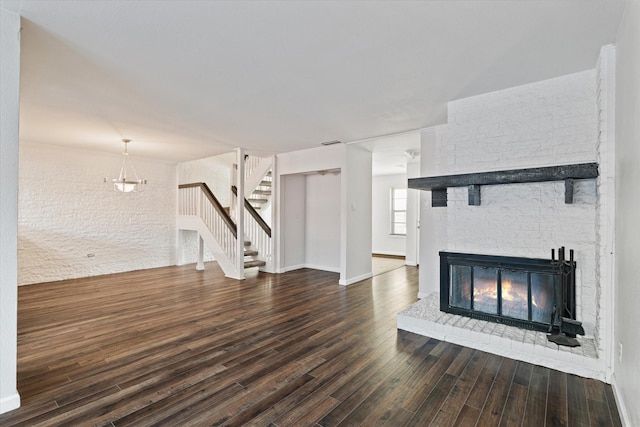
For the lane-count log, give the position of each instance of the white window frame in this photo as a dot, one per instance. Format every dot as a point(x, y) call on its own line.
point(393, 211)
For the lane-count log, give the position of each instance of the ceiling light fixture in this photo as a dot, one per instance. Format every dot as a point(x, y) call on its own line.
point(128, 180)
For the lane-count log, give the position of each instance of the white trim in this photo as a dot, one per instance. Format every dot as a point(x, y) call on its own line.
point(422, 295)
point(311, 266)
point(355, 279)
point(238, 271)
point(554, 358)
point(607, 185)
point(323, 268)
point(393, 210)
point(330, 269)
point(385, 135)
point(387, 253)
point(622, 408)
point(291, 268)
point(9, 403)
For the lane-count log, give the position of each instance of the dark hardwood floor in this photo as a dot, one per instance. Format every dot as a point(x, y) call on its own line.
point(176, 347)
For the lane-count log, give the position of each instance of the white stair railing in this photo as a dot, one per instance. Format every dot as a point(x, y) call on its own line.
point(256, 168)
point(250, 164)
point(258, 232)
point(199, 210)
point(260, 240)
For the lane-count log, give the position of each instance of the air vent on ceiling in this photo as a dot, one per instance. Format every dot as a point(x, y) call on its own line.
point(335, 141)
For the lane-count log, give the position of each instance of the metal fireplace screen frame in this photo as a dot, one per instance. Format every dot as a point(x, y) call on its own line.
point(550, 281)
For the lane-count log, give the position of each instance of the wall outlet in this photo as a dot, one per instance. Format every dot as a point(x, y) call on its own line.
point(620, 352)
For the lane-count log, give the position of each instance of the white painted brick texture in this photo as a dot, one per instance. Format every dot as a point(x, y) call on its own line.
point(605, 217)
point(541, 124)
point(72, 225)
point(547, 123)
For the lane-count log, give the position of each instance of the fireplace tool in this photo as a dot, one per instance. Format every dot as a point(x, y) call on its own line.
point(567, 326)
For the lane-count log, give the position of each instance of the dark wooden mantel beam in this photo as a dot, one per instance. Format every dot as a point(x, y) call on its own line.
point(567, 173)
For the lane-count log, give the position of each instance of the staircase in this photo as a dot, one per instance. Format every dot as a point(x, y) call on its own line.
point(251, 257)
point(260, 197)
point(199, 210)
point(252, 220)
point(258, 181)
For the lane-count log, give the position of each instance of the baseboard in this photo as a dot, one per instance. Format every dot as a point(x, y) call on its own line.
point(355, 279)
point(10, 402)
point(311, 266)
point(331, 269)
point(290, 268)
point(181, 262)
point(394, 255)
point(622, 407)
point(323, 268)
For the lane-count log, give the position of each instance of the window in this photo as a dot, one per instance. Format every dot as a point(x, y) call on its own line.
point(399, 211)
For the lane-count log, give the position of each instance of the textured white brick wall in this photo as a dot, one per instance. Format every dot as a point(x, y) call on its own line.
point(552, 122)
point(541, 124)
point(605, 217)
point(66, 213)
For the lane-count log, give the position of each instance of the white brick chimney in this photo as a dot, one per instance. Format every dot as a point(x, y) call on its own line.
point(554, 122)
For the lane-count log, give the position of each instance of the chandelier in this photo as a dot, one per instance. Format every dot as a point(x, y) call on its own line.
point(128, 180)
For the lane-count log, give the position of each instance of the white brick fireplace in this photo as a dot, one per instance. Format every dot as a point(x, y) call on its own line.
point(564, 120)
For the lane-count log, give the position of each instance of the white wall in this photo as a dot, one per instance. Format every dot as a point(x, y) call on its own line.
point(71, 224)
point(322, 221)
point(9, 115)
point(413, 216)
point(354, 164)
point(310, 218)
point(311, 160)
point(627, 298)
point(216, 172)
point(433, 235)
point(382, 240)
point(292, 222)
point(356, 215)
point(290, 233)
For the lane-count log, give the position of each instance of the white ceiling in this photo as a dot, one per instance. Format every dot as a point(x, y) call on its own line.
point(191, 79)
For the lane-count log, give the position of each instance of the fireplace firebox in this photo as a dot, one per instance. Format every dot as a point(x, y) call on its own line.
point(530, 293)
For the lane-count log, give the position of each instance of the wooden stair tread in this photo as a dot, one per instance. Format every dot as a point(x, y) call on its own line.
point(262, 192)
point(258, 200)
point(255, 263)
point(250, 253)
